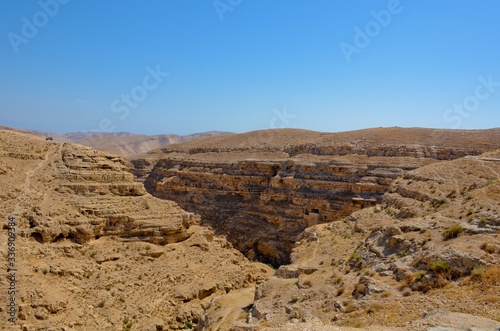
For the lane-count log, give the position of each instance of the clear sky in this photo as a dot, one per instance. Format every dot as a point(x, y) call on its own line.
point(185, 66)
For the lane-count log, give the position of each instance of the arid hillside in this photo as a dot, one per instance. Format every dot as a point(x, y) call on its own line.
point(428, 255)
point(262, 189)
point(139, 144)
point(94, 251)
point(70, 136)
point(122, 144)
point(394, 141)
point(378, 242)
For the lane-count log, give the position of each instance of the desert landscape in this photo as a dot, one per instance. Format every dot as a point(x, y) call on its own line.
point(234, 165)
point(377, 229)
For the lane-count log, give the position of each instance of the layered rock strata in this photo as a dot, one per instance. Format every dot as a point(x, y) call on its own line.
point(261, 189)
point(261, 206)
point(431, 247)
point(94, 251)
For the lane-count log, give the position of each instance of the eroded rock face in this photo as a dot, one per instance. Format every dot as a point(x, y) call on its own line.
point(391, 264)
point(64, 190)
point(96, 252)
point(261, 189)
point(261, 206)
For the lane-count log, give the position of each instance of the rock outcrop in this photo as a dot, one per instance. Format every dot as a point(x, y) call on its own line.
point(262, 206)
point(97, 196)
point(95, 251)
point(262, 189)
point(429, 248)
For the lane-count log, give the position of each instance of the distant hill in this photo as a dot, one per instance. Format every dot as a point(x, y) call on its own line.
point(138, 144)
point(390, 141)
point(76, 136)
point(120, 143)
point(71, 136)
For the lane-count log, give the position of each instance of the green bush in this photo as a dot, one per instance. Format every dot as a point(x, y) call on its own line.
point(418, 275)
point(440, 266)
point(356, 256)
point(189, 325)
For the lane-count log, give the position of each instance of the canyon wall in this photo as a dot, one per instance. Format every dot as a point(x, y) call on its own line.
point(262, 206)
point(262, 189)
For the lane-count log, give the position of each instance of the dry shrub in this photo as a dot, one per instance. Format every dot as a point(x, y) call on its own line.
point(360, 289)
point(478, 272)
point(488, 248)
point(376, 306)
point(351, 307)
point(407, 292)
point(336, 277)
point(386, 294)
point(453, 231)
point(492, 276)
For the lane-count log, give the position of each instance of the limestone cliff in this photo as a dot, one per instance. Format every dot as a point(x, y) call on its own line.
point(262, 189)
point(430, 248)
point(94, 251)
point(261, 206)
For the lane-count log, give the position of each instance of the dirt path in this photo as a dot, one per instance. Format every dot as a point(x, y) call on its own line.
point(27, 182)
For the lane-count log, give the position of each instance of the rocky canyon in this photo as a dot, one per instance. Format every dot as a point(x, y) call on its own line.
point(378, 229)
point(262, 189)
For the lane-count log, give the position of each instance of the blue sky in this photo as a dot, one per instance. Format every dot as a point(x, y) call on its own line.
point(242, 65)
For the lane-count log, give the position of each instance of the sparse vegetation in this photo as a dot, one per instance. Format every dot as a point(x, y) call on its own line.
point(189, 325)
point(101, 303)
point(491, 276)
point(489, 182)
point(418, 275)
point(478, 272)
point(453, 231)
point(407, 292)
point(356, 256)
point(351, 307)
point(127, 324)
point(294, 299)
point(438, 203)
point(440, 266)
